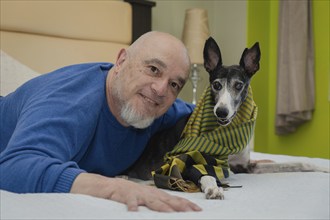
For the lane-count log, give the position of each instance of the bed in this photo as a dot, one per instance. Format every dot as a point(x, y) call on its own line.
point(262, 196)
point(39, 36)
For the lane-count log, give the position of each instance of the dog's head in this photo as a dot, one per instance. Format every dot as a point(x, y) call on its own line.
point(229, 84)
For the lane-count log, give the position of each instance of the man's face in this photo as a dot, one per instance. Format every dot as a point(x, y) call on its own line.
point(147, 85)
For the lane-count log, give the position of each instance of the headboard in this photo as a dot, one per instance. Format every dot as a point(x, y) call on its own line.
point(45, 35)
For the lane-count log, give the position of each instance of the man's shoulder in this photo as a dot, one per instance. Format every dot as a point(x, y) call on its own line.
point(81, 85)
point(84, 75)
point(183, 105)
point(87, 68)
point(179, 109)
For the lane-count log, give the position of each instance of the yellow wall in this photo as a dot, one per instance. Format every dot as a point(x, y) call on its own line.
point(312, 138)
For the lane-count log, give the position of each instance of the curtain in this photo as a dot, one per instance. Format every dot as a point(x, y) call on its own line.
point(295, 76)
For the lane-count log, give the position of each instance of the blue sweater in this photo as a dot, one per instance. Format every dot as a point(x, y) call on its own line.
point(58, 125)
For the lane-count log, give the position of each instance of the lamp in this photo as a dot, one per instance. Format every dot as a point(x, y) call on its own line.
point(195, 32)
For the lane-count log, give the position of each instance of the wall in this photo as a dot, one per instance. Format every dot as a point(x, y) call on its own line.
point(312, 138)
point(227, 23)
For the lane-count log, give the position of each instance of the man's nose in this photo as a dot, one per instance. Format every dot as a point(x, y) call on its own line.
point(160, 87)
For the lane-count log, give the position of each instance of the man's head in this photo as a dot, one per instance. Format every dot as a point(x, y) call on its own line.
point(147, 78)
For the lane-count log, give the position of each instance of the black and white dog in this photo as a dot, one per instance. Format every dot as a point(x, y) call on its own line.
point(229, 89)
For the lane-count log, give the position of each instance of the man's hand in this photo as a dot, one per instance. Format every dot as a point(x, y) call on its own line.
point(130, 193)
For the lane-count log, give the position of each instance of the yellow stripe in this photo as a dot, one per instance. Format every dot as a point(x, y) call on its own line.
point(179, 163)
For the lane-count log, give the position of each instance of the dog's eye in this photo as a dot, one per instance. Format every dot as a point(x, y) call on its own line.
point(216, 86)
point(238, 86)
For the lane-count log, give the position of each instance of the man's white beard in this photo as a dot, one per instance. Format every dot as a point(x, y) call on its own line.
point(128, 112)
point(134, 118)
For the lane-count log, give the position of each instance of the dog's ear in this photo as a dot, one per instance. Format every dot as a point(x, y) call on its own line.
point(250, 59)
point(211, 54)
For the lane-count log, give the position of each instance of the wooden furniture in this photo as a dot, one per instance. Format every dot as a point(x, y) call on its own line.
point(142, 11)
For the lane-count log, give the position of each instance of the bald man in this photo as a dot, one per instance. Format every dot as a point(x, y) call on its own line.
point(76, 128)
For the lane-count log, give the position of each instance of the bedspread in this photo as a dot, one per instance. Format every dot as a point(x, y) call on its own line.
point(294, 195)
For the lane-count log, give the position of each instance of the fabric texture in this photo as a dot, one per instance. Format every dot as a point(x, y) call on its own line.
point(58, 125)
point(295, 77)
point(205, 145)
point(286, 196)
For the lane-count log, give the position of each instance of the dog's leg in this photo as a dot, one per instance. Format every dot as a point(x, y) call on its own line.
point(266, 167)
point(240, 162)
point(210, 188)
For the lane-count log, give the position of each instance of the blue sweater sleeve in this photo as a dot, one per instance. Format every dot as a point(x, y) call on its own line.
point(54, 124)
point(39, 153)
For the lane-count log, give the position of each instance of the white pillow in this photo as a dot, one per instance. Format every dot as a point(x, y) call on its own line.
point(13, 74)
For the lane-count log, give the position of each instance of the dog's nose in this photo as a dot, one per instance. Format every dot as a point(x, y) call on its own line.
point(222, 112)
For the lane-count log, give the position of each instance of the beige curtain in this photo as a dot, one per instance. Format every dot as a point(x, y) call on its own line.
point(295, 77)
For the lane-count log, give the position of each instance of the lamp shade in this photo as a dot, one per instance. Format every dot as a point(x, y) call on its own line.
point(195, 33)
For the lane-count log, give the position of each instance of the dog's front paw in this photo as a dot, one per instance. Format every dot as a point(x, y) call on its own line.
point(214, 193)
point(210, 188)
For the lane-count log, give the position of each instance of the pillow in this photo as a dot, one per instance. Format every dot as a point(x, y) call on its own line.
point(13, 74)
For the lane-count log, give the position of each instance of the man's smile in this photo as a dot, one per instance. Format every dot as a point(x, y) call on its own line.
point(149, 100)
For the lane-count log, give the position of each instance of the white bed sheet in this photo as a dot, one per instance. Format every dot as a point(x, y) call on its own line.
point(263, 196)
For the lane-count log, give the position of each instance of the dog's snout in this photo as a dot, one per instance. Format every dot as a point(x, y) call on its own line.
point(222, 112)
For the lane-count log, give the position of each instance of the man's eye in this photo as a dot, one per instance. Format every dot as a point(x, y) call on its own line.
point(154, 69)
point(175, 85)
point(216, 86)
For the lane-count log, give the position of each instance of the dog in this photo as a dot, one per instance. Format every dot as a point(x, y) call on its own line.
point(229, 89)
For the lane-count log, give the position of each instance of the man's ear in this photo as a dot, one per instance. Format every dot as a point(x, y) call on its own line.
point(250, 59)
point(120, 58)
point(211, 54)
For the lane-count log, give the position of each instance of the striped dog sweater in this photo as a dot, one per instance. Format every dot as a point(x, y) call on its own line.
point(204, 146)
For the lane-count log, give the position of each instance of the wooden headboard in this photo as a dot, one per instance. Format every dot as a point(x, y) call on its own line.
point(45, 35)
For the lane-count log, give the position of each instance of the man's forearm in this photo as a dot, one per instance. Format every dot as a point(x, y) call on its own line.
point(93, 185)
point(130, 193)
